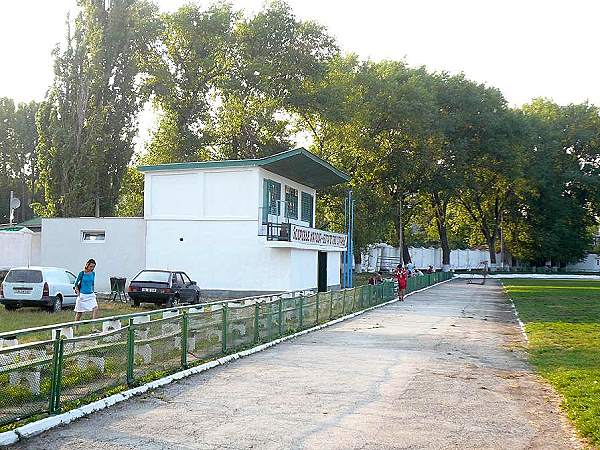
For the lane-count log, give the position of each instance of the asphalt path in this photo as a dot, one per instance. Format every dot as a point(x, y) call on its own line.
point(444, 369)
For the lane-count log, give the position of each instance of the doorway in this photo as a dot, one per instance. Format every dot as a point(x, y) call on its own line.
point(322, 272)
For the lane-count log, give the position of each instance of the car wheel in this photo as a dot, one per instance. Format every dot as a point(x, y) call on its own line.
point(136, 303)
point(173, 301)
point(57, 305)
point(10, 307)
point(197, 298)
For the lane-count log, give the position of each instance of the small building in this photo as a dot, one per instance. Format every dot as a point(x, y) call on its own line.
point(237, 227)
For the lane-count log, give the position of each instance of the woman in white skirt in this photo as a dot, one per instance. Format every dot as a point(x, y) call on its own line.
point(84, 288)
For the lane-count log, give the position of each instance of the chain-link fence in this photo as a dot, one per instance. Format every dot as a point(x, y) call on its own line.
point(86, 360)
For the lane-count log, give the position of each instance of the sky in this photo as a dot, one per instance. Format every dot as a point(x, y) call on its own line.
point(526, 48)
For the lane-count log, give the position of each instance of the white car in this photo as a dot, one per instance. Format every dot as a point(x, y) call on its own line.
point(48, 287)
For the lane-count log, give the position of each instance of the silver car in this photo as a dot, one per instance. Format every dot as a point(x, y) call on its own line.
point(47, 287)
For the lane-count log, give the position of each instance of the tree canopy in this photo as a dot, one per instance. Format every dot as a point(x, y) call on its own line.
point(435, 158)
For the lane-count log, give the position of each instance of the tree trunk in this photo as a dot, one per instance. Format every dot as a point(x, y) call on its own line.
point(440, 208)
point(491, 242)
point(399, 229)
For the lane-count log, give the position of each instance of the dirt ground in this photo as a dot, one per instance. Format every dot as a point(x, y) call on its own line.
point(445, 369)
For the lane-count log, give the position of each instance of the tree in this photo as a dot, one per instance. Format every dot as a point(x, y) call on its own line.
point(226, 85)
point(18, 140)
point(552, 221)
point(88, 121)
point(491, 162)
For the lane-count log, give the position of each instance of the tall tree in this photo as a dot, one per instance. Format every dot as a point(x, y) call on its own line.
point(551, 223)
point(18, 140)
point(88, 121)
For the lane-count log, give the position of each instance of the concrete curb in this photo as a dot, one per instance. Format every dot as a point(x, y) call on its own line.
point(39, 426)
point(514, 308)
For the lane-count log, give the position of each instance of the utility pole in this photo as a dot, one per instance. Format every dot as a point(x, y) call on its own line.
point(501, 244)
point(13, 204)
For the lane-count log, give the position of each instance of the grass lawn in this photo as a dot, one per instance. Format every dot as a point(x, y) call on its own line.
point(562, 321)
point(36, 317)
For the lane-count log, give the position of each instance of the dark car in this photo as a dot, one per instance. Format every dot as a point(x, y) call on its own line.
point(163, 287)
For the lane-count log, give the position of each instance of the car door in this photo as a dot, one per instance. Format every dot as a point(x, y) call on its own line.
point(177, 285)
point(189, 287)
point(69, 296)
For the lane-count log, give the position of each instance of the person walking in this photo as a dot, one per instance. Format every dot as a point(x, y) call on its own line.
point(402, 276)
point(84, 288)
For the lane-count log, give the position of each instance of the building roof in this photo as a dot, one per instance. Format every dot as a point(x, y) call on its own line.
point(32, 223)
point(298, 165)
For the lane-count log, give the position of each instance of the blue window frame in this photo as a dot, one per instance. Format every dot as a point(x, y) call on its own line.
point(307, 208)
point(271, 198)
point(291, 203)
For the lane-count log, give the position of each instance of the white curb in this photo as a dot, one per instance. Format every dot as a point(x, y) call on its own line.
point(39, 426)
point(514, 308)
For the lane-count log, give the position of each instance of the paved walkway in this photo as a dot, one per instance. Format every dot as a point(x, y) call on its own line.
point(442, 370)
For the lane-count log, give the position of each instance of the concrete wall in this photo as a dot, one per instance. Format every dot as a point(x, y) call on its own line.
point(16, 249)
point(334, 262)
point(224, 194)
point(207, 223)
point(423, 257)
point(122, 253)
point(591, 263)
point(304, 269)
point(36, 249)
point(228, 255)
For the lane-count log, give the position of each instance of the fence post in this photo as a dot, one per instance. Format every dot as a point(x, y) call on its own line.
point(317, 308)
point(280, 316)
point(224, 330)
point(184, 339)
point(301, 312)
point(256, 322)
point(54, 379)
point(130, 352)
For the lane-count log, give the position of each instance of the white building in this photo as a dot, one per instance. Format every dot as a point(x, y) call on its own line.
point(236, 227)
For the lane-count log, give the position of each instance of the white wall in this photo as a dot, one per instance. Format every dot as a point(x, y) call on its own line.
point(121, 254)
point(224, 255)
point(304, 269)
point(591, 263)
point(205, 194)
point(423, 257)
point(333, 268)
point(16, 248)
point(36, 249)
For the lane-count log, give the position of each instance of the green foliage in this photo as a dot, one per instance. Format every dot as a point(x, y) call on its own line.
point(18, 156)
point(88, 121)
point(562, 321)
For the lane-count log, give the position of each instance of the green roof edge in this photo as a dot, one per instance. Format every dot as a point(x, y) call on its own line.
point(244, 163)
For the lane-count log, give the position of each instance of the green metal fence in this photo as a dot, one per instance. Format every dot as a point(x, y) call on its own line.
point(73, 366)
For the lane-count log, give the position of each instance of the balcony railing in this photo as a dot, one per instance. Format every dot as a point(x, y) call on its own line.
point(278, 232)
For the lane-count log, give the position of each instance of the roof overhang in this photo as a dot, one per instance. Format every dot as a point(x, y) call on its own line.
point(298, 165)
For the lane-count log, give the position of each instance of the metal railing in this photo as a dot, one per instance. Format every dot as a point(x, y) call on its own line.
point(67, 365)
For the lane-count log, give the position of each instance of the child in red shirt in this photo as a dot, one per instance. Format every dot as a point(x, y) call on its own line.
point(402, 276)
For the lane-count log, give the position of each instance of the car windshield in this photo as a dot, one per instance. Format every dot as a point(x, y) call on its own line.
point(23, 276)
point(149, 275)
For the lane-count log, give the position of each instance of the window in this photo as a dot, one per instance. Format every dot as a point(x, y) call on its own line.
point(71, 277)
point(291, 203)
point(271, 197)
point(93, 236)
point(24, 276)
point(151, 275)
point(186, 279)
point(307, 208)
